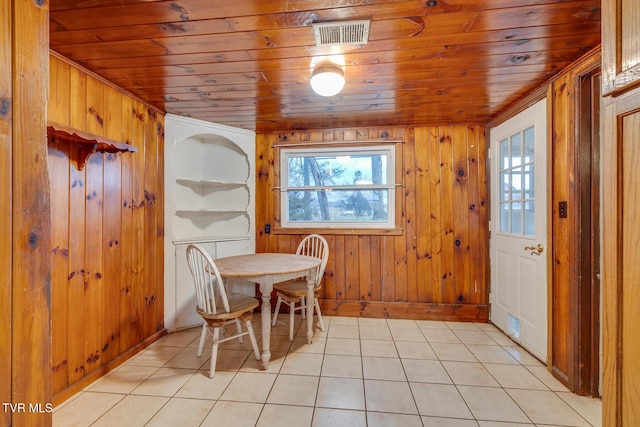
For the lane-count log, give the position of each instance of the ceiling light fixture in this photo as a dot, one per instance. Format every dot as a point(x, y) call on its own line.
point(327, 80)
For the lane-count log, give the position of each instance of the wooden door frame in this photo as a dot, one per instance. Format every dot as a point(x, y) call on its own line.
point(586, 320)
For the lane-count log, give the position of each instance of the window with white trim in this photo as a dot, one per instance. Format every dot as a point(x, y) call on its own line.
point(338, 187)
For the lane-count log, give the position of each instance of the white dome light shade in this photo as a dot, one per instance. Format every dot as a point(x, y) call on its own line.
point(327, 80)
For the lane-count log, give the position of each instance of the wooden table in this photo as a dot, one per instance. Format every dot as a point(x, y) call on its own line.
point(267, 269)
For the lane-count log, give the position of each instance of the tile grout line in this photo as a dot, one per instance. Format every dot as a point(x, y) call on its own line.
point(326, 336)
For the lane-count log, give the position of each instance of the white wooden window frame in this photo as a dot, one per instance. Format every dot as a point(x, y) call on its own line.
point(390, 186)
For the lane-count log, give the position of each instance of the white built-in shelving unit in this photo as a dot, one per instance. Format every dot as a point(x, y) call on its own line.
point(209, 200)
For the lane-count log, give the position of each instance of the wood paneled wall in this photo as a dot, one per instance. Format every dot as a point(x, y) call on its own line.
point(25, 332)
point(107, 227)
point(436, 267)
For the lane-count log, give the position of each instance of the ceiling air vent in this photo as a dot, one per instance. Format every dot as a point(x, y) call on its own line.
point(345, 32)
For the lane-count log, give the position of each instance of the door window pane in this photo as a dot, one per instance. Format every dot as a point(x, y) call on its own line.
point(528, 182)
point(516, 184)
point(505, 158)
point(516, 150)
point(529, 145)
point(529, 218)
point(516, 218)
point(505, 181)
point(504, 217)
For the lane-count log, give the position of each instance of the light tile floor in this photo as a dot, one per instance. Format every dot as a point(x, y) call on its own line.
point(359, 372)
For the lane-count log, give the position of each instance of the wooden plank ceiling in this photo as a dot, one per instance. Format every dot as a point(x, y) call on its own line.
point(247, 63)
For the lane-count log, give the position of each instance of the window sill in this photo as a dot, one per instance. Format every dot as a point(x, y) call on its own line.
point(342, 231)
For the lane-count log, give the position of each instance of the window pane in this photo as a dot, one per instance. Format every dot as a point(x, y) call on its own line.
point(516, 150)
point(336, 170)
point(528, 182)
point(516, 218)
point(505, 180)
point(504, 217)
point(338, 206)
point(504, 154)
point(516, 184)
point(529, 218)
point(529, 146)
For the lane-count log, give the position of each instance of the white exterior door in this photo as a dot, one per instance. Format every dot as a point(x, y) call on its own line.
point(519, 229)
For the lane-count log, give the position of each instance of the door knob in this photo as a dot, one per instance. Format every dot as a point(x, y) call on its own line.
point(535, 249)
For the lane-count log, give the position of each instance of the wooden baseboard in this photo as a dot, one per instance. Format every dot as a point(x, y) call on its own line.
point(74, 388)
point(406, 310)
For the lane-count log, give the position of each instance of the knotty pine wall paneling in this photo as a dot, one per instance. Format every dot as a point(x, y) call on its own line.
point(563, 250)
point(107, 229)
point(436, 266)
point(25, 329)
point(6, 249)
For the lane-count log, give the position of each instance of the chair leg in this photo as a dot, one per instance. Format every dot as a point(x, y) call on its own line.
point(254, 343)
point(214, 352)
point(203, 336)
point(292, 313)
point(317, 304)
point(276, 311)
point(239, 330)
point(302, 306)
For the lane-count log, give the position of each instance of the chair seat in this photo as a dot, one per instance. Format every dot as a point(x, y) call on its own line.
point(294, 289)
point(238, 304)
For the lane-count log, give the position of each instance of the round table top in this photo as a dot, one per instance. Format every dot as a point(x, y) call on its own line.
point(251, 265)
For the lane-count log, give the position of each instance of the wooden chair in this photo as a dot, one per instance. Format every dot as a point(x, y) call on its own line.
point(294, 291)
point(216, 307)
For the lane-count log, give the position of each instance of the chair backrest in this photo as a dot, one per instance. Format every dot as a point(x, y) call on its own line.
point(316, 246)
point(210, 290)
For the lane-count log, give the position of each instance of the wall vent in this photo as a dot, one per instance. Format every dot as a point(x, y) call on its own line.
point(345, 32)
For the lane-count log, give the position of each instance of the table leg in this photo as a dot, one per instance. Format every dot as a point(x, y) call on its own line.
point(309, 302)
point(266, 329)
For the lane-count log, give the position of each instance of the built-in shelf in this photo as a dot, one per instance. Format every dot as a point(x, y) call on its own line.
point(88, 143)
point(209, 188)
point(213, 211)
point(208, 239)
point(209, 182)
